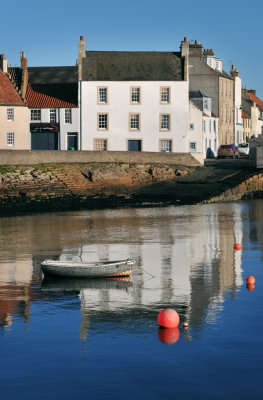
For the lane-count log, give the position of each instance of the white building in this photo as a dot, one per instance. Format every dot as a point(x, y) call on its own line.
point(133, 101)
point(238, 108)
point(203, 125)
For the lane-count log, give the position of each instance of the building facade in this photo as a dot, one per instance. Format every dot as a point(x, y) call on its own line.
point(133, 101)
point(14, 124)
point(206, 74)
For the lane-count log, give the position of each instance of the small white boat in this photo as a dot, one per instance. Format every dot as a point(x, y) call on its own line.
point(70, 269)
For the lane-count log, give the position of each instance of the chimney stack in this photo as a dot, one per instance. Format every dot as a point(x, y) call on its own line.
point(3, 63)
point(24, 83)
point(82, 47)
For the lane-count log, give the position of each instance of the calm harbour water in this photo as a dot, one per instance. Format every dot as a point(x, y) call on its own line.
point(100, 339)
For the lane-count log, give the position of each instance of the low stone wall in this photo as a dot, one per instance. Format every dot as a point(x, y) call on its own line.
point(249, 188)
point(36, 157)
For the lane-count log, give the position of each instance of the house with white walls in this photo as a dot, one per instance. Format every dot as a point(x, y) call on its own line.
point(203, 125)
point(133, 101)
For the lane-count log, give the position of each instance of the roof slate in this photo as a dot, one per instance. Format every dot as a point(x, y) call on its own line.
point(50, 75)
point(8, 94)
point(132, 66)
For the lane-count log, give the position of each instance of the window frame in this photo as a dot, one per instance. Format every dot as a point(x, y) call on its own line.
point(98, 121)
point(53, 113)
point(38, 110)
point(195, 147)
point(169, 95)
point(101, 139)
point(10, 140)
point(10, 113)
point(131, 92)
point(165, 140)
point(161, 115)
point(130, 122)
point(68, 110)
point(99, 102)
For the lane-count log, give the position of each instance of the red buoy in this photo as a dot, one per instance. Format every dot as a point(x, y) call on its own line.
point(250, 279)
point(168, 335)
point(168, 318)
point(237, 246)
point(250, 286)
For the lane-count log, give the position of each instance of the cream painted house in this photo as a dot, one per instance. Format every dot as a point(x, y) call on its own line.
point(14, 121)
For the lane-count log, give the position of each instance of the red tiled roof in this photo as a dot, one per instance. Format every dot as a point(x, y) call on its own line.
point(52, 95)
point(255, 99)
point(244, 115)
point(8, 94)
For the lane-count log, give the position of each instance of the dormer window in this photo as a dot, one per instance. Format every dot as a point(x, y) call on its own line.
point(206, 105)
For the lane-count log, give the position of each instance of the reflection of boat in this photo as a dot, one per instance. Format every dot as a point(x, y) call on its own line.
point(78, 284)
point(69, 269)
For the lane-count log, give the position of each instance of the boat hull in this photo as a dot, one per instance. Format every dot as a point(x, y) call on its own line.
point(87, 270)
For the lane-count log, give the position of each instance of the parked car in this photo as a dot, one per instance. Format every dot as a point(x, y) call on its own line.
point(228, 150)
point(243, 149)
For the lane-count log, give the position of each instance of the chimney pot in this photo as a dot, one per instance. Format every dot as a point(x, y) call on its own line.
point(195, 41)
point(81, 37)
point(233, 67)
point(185, 39)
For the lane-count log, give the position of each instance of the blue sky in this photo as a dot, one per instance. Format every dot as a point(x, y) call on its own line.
point(49, 31)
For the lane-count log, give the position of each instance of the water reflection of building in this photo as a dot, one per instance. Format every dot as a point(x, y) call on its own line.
point(15, 279)
point(191, 256)
point(189, 250)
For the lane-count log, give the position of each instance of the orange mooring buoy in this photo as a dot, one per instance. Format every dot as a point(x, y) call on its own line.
point(250, 286)
point(168, 318)
point(237, 246)
point(168, 335)
point(185, 324)
point(250, 279)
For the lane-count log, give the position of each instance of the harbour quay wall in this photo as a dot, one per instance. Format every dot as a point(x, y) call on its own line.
point(35, 157)
point(54, 181)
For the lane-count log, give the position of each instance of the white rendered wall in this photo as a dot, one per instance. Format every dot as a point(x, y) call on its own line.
point(119, 108)
point(210, 136)
point(64, 128)
point(68, 128)
point(238, 111)
point(195, 134)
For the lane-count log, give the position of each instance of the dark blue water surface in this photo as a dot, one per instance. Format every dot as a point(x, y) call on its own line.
point(62, 339)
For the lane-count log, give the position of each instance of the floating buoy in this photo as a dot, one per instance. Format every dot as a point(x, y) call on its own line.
point(185, 324)
point(237, 246)
point(168, 335)
point(250, 279)
point(168, 318)
point(250, 286)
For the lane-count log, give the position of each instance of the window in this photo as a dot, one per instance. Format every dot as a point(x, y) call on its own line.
point(214, 125)
point(165, 95)
point(204, 126)
point(102, 95)
point(210, 126)
point(100, 144)
point(53, 116)
point(135, 95)
point(215, 144)
point(165, 122)
point(103, 121)
point(135, 121)
point(35, 115)
point(192, 146)
point(68, 116)
point(166, 145)
point(10, 114)
point(191, 127)
point(10, 139)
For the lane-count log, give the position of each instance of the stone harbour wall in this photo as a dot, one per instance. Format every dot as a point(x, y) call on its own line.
point(250, 188)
